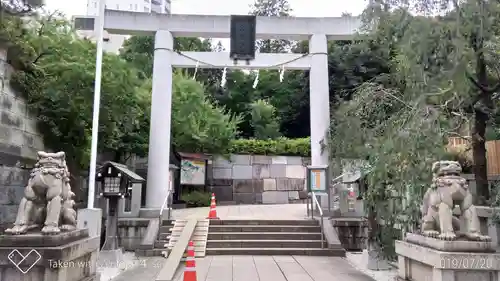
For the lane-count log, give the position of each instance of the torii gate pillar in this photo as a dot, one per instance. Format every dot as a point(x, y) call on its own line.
point(160, 127)
point(319, 99)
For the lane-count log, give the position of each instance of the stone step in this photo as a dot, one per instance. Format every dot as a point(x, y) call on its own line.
point(150, 252)
point(165, 229)
point(159, 244)
point(264, 244)
point(266, 222)
point(168, 222)
point(277, 251)
point(212, 235)
point(263, 228)
point(164, 236)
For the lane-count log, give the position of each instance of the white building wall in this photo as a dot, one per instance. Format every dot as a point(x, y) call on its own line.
point(156, 6)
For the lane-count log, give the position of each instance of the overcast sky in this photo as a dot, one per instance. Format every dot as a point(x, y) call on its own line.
point(301, 8)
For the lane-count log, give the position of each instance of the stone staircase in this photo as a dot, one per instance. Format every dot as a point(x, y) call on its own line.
point(164, 235)
point(199, 235)
point(267, 237)
point(160, 242)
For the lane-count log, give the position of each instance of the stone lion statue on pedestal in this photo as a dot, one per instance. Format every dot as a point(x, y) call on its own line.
point(47, 198)
point(448, 190)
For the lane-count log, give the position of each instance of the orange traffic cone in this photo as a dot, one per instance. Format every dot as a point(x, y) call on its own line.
point(213, 212)
point(190, 269)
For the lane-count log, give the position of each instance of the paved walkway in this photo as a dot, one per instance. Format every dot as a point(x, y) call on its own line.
point(253, 268)
point(270, 212)
point(274, 268)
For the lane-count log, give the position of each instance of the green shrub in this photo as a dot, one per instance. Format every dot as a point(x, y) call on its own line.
point(197, 199)
point(280, 146)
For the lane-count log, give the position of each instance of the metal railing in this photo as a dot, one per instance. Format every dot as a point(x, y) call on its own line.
point(316, 202)
point(166, 203)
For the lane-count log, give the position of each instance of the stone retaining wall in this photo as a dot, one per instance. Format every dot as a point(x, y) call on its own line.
point(19, 142)
point(258, 179)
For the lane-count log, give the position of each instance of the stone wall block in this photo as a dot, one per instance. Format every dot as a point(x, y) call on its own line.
point(11, 136)
point(5, 134)
point(248, 186)
point(223, 193)
point(12, 176)
point(209, 170)
point(8, 213)
point(242, 172)
point(294, 160)
point(244, 198)
point(261, 159)
point(293, 195)
point(274, 197)
point(30, 126)
point(279, 160)
point(269, 184)
point(29, 151)
point(12, 150)
point(258, 186)
point(302, 194)
point(22, 108)
point(306, 161)
point(278, 171)
point(241, 159)
point(260, 171)
point(221, 162)
point(295, 172)
point(221, 182)
point(290, 184)
point(11, 195)
point(222, 173)
point(6, 101)
point(258, 198)
point(11, 120)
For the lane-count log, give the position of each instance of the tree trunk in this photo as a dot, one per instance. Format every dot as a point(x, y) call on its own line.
point(481, 116)
point(479, 155)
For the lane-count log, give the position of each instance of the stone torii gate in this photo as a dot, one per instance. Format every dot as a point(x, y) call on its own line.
point(165, 27)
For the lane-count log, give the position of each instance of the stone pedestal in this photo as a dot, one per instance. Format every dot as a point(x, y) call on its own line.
point(70, 256)
point(427, 259)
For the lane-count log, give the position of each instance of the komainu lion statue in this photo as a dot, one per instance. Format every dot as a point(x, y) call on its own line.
point(47, 198)
point(448, 190)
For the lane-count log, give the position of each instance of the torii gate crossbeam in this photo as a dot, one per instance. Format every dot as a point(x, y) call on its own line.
point(165, 27)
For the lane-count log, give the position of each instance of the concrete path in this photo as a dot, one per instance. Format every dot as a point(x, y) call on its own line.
point(274, 268)
point(270, 212)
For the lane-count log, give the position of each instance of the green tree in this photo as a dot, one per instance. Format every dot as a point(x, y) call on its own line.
point(400, 121)
point(197, 124)
point(465, 43)
point(237, 96)
point(139, 51)
point(58, 84)
point(280, 8)
point(264, 120)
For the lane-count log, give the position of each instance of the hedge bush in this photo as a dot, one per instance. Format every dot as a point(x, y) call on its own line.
point(197, 198)
point(281, 146)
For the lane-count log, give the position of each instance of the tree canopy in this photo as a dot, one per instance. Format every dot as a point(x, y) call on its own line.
point(440, 81)
point(57, 80)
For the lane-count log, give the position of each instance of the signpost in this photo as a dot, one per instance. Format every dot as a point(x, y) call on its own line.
point(317, 183)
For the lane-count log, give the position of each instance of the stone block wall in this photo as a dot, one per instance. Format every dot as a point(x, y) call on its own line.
point(19, 142)
point(258, 179)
